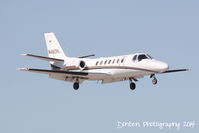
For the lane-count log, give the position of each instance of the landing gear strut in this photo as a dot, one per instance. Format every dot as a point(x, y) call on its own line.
point(76, 85)
point(132, 85)
point(154, 80)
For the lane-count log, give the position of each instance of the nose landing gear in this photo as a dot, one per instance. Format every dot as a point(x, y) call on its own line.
point(154, 80)
point(132, 84)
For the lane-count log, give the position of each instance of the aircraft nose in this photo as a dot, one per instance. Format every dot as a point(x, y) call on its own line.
point(163, 66)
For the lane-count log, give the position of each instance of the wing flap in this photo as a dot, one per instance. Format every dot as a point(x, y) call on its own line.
point(43, 71)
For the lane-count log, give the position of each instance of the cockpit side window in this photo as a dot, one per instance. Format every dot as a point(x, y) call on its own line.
point(134, 58)
point(141, 57)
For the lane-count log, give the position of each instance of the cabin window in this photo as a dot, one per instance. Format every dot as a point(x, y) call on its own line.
point(122, 60)
point(134, 58)
point(101, 62)
point(118, 60)
point(105, 62)
point(97, 63)
point(113, 61)
point(109, 62)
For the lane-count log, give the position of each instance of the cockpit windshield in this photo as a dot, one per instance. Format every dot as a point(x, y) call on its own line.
point(144, 56)
point(141, 57)
point(149, 56)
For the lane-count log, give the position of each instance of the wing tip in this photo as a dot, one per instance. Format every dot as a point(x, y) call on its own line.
point(24, 54)
point(22, 69)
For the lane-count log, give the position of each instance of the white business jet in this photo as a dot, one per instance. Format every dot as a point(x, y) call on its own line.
point(104, 69)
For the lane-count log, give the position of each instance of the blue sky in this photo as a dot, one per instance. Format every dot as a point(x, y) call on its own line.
point(167, 30)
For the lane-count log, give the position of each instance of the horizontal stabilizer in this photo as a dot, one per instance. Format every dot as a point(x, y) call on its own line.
point(176, 70)
point(43, 71)
point(44, 58)
point(86, 56)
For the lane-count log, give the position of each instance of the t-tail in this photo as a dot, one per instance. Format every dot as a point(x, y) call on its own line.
point(54, 49)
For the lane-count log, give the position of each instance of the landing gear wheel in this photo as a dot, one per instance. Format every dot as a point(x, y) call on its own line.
point(76, 86)
point(154, 81)
point(132, 86)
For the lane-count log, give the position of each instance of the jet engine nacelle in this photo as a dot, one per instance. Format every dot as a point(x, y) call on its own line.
point(82, 65)
point(75, 63)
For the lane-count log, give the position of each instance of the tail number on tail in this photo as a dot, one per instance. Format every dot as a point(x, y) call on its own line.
point(53, 51)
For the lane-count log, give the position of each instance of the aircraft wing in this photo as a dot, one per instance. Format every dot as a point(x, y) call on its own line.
point(43, 71)
point(176, 70)
point(44, 58)
point(61, 72)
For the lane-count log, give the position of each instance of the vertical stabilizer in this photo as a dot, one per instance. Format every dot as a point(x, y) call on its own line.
point(53, 47)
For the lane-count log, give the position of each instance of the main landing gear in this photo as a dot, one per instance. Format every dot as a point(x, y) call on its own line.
point(154, 80)
point(76, 85)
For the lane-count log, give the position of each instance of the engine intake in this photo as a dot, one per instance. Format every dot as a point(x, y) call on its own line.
point(82, 65)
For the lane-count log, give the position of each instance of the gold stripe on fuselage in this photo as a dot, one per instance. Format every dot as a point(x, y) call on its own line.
point(108, 67)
